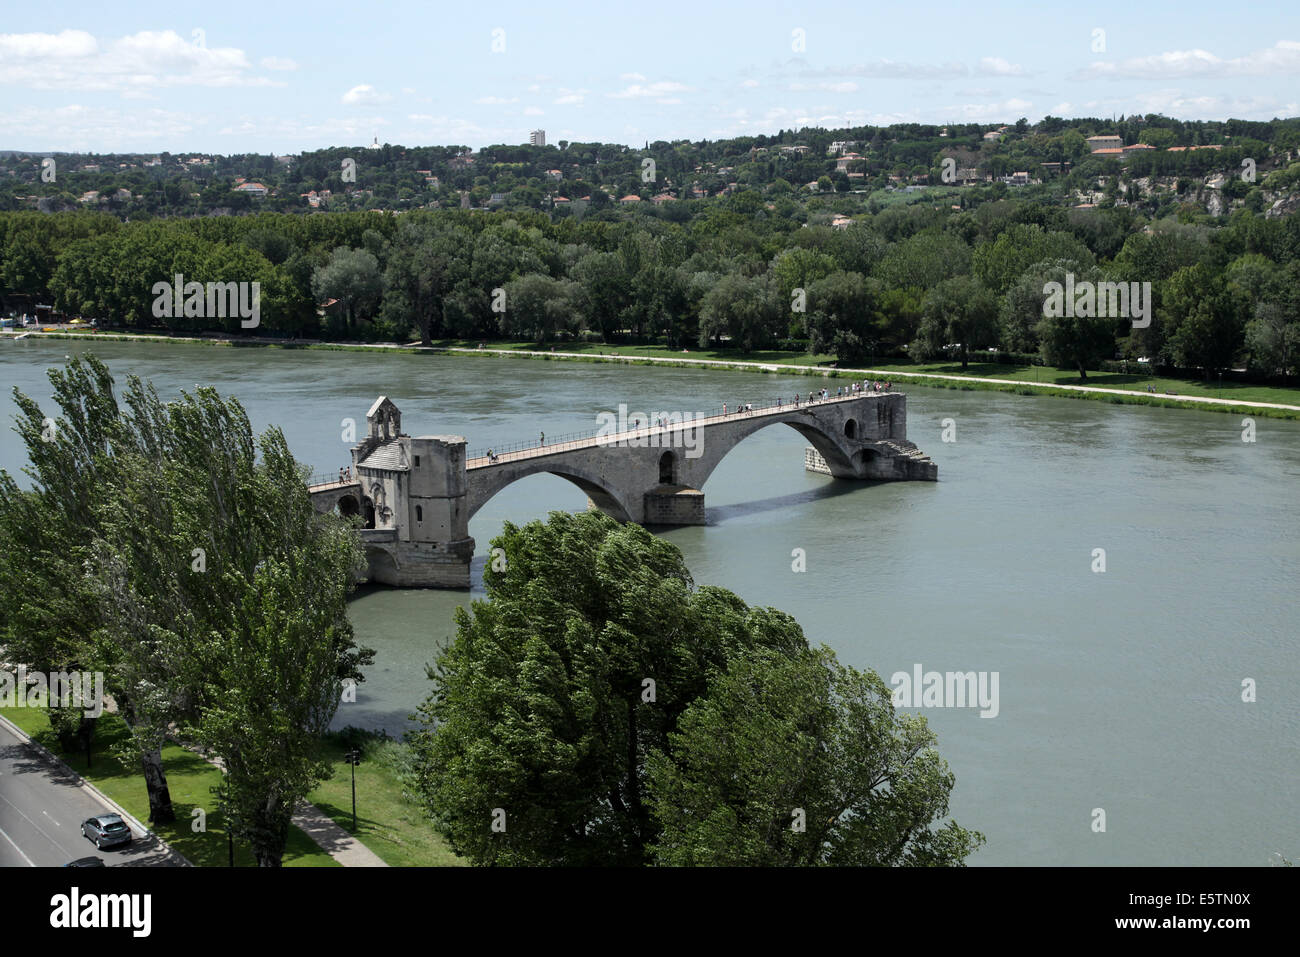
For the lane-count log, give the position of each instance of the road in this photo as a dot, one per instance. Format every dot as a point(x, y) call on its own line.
point(42, 805)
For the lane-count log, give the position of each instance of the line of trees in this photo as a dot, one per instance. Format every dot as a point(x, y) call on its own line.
point(917, 280)
point(165, 546)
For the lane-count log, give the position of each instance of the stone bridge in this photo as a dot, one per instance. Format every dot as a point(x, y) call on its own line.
point(416, 495)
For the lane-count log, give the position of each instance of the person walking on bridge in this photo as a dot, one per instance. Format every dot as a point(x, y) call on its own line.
point(541, 438)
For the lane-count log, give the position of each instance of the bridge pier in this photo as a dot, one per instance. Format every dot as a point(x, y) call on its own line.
point(674, 505)
point(416, 495)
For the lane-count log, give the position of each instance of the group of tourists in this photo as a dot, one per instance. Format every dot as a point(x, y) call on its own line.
point(822, 395)
point(345, 473)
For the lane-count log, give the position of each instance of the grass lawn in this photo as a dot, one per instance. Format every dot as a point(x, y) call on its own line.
point(189, 778)
point(1048, 376)
point(1166, 389)
point(390, 825)
point(645, 351)
point(1240, 391)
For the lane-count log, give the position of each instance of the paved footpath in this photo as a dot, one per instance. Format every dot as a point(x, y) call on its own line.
point(320, 827)
point(333, 840)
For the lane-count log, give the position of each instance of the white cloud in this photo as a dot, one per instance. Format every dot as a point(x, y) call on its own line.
point(1281, 59)
point(657, 89)
point(364, 95)
point(893, 70)
point(96, 129)
point(749, 84)
point(138, 62)
point(534, 111)
point(69, 43)
point(1006, 111)
point(840, 86)
point(996, 66)
point(631, 77)
point(496, 100)
point(278, 63)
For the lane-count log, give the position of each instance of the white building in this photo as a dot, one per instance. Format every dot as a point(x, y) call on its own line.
point(537, 138)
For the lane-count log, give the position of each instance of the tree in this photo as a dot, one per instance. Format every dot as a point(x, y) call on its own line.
point(605, 291)
point(743, 307)
point(799, 760)
point(999, 263)
point(843, 306)
point(351, 276)
point(49, 609)
point(1205, 317)
point(418, 275)
point(1273, 338)
point(925, 260)
point(210, 592)
point(538, 307)
point(1021, 310)
point(1078, 341)
point(958, 312)
point(557, 713)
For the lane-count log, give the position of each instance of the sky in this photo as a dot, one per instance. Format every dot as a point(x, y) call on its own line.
point(236, 77)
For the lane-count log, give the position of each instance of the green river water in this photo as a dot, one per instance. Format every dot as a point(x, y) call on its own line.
point(1119, 690)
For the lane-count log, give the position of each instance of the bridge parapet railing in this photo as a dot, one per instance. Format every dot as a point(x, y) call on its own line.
point(573, 440)
point(329, 478)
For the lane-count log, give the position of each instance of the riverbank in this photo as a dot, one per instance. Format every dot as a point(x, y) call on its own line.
point(1255, 400)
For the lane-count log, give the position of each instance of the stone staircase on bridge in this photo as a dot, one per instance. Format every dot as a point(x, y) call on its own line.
point(908, 461)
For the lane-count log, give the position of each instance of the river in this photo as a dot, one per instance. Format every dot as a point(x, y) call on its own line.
point(1118, 690)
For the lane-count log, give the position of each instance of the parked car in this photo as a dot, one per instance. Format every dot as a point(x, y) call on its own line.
point(107, 830)
point(87, 862)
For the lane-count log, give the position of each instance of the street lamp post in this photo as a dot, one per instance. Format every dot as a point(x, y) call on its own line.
point(353, 758)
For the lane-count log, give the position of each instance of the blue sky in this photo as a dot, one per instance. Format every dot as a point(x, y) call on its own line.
point(280, 77)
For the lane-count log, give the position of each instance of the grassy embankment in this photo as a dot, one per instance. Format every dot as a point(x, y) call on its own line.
point(1031, 380)
point(1039, 379)
point(388, 822)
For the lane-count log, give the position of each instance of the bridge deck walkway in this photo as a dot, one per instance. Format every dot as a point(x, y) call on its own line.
point(536, 449)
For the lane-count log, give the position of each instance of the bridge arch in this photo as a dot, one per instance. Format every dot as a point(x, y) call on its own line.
point(486, 482)
point(828, 438)
point(383, 564)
